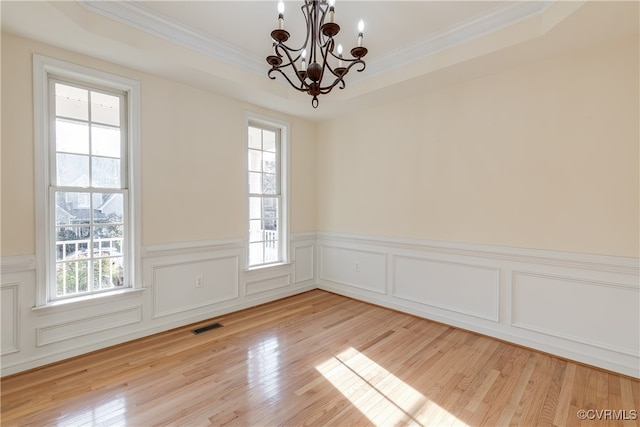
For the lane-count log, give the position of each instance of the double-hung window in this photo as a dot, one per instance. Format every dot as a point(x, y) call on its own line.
point(87, 220)
point(267, 193)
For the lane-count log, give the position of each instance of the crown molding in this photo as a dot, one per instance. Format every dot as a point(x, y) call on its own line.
point(144, 19)
point(506, 14)
point(133, 14)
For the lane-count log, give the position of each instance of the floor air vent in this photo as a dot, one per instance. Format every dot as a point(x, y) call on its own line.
point(207, 328)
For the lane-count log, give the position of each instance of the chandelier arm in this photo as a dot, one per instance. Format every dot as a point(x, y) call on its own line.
point(355, 62)
point(303, 87)
point(340, 77)
point(286, 50)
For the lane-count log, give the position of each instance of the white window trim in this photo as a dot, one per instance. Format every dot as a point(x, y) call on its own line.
point(283, 126)
point(43, 67)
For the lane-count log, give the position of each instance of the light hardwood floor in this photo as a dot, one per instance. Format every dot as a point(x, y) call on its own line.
point(318, 359)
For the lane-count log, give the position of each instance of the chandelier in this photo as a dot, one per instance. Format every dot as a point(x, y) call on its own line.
point(318, 65)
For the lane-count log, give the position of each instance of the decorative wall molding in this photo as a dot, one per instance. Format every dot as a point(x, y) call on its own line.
point(590, 322)
point(10, 299)
point(605, 263)
point(186, 248)
point(303, 257)
point(579, 306)
point(464, 288)
point(17, 264)
point(257, 286)
point(48, 334)
point(174, 288)
point(360, 268)
point(87, 325)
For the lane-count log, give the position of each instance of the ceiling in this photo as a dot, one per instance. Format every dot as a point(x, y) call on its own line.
point(413, 45)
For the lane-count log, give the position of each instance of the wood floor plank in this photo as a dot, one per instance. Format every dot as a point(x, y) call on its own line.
point(316, 359)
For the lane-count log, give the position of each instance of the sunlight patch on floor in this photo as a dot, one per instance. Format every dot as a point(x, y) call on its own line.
point(381, 396)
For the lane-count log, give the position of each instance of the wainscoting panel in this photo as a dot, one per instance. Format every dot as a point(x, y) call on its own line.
point(182, 283)
point(462, 288)
point(357, 268)
point(189, 285)
point(579, 306)
point(9, 296)
point(582, 307)
point(263, 285)
point(583, 311)
point(304, 265)
point(50, 334)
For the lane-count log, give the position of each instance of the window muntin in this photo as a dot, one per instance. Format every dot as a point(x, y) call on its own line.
point(88, 197)
point(265, 195)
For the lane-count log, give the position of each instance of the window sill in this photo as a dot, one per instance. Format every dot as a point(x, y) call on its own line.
point(266, 267)
point(85, 301)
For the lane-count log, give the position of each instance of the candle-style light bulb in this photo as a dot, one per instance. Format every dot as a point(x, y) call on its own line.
point(339, 55)
point(280, 15)
point(331, 10)
point(360, 30)
point(304, 60)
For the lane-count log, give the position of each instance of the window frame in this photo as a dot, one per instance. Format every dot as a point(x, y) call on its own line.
point(44, 70)
point(282, 158)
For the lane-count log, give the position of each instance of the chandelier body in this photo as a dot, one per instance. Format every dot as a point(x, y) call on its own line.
point(314, 68)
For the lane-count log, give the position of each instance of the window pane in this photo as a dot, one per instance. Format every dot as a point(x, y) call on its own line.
point(108, 232)
point(71, 207)
point(256, 253)
point(269, 184)
point(72, 277)
point(105, 141)
point(255, 138)
point(72, 170)
point(255, 230)
point(270, 213)
point(255, 163)
point(70, 233)
point(105, 172)
point(107, 273)
point(271, 250)
point(255, 183)
point(72, 102)
point(110, 206)
point(255, 207)
point(269, 141)
point(72, 137)
point(70, 245)
point(105, 108)
point(269, 162)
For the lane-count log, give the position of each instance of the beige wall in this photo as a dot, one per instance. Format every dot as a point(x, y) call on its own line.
point(193, 183)
point(541, 156)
